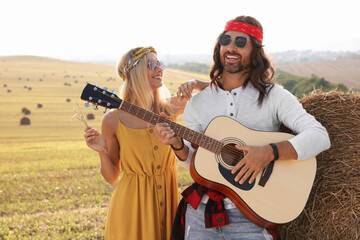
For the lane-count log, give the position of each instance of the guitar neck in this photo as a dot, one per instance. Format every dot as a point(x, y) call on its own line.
point(107, 99)
point(181, 131)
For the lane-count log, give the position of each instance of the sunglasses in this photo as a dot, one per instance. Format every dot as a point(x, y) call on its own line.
point(152, 65)
point(240, 41)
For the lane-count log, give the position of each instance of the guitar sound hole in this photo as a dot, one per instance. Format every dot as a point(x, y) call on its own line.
point(230, 155)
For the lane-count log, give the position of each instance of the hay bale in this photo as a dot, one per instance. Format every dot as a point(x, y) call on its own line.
point(90, 116)
point(25, 111)
point(25, 121)
point(39, 105)
point(333, 208)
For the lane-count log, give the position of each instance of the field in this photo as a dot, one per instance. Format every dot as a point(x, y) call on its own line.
point(346, 71)
point(50, 184)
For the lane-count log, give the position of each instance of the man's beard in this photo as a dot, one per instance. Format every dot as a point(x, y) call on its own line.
point(233, 68)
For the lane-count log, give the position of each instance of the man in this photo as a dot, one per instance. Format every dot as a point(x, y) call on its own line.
point(242, 89)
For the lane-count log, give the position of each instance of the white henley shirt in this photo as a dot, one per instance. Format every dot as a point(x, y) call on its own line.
point(280, 106)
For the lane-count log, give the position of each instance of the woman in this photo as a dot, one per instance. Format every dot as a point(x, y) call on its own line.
point(144, 202)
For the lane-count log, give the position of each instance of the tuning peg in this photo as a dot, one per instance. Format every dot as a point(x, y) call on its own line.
point(95, 107)
point(96, 84)
point(105, 110)
point(87, 104)
point(105, 88)
point(113, 91)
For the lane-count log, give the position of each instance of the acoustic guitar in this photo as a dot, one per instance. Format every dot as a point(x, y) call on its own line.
point(277, 196)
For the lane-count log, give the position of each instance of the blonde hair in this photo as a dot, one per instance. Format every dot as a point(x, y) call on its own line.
point(136, 88)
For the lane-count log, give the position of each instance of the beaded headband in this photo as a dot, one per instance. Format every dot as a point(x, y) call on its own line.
point(138, 55)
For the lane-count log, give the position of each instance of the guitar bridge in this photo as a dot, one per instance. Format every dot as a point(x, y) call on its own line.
point(266, 174)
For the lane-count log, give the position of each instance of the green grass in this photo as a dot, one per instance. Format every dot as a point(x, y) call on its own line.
point(50, 184)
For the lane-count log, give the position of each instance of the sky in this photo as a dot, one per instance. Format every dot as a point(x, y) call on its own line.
point(70, 29)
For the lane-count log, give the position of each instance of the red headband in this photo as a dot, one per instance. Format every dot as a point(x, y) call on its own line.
point(245, 28)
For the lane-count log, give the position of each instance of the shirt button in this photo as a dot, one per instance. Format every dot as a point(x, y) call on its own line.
point(156, 148)
point(151, 131)
point(235, 93)
point(158, 166)
point(231, 114)
point(159, 187)
point(161, 204)
point(231, 104)
point(219, 219)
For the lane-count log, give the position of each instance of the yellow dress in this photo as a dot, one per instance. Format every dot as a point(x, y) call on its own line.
point(145, 200)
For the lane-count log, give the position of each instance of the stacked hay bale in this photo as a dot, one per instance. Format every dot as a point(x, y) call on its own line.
point(333, 208)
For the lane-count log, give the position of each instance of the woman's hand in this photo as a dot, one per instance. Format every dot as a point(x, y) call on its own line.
point(95, 140)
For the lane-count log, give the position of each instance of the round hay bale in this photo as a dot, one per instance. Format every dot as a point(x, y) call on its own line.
point(68, 100)
point(90, 116)
point(39, 105)
point(9, 90)
point(25, 121)
point(25, 111)
point(333, 208)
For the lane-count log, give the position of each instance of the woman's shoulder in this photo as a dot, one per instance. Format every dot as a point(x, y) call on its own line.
point(110, 118)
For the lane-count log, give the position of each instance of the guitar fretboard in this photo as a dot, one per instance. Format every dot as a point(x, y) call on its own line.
point(192, 136)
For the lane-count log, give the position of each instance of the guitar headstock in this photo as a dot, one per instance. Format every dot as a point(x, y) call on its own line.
point(100, 96)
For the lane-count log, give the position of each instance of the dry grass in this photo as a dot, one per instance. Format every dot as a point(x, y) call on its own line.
point(50, 184)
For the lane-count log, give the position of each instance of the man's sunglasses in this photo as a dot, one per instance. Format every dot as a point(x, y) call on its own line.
point(240, 41)
point(152, 65)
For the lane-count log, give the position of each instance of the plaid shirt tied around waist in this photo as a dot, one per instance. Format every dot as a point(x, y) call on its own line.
point(215, 212)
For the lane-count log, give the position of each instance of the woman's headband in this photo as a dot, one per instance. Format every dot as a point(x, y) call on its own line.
point(245, 28)
point(139, 54)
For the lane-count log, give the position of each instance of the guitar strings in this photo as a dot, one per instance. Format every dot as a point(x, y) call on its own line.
point(219, 145)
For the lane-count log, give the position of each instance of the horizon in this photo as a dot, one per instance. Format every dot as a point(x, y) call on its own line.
point(289, 56)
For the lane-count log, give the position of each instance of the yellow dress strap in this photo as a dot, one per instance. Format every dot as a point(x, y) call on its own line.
point(117, 116)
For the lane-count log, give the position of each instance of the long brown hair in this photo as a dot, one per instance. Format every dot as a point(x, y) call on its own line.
point(261, 71)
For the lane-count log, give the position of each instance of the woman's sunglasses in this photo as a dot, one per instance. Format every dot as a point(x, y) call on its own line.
point(240, 41)
point(152, 65)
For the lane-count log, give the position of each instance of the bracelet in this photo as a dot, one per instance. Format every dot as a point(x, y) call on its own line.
point(276, 151)
point(178, 149)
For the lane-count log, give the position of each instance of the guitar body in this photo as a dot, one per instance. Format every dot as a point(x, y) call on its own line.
point(285, 193)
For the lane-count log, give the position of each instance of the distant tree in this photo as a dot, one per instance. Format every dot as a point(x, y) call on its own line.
point(303, 85)
point(191, 67)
